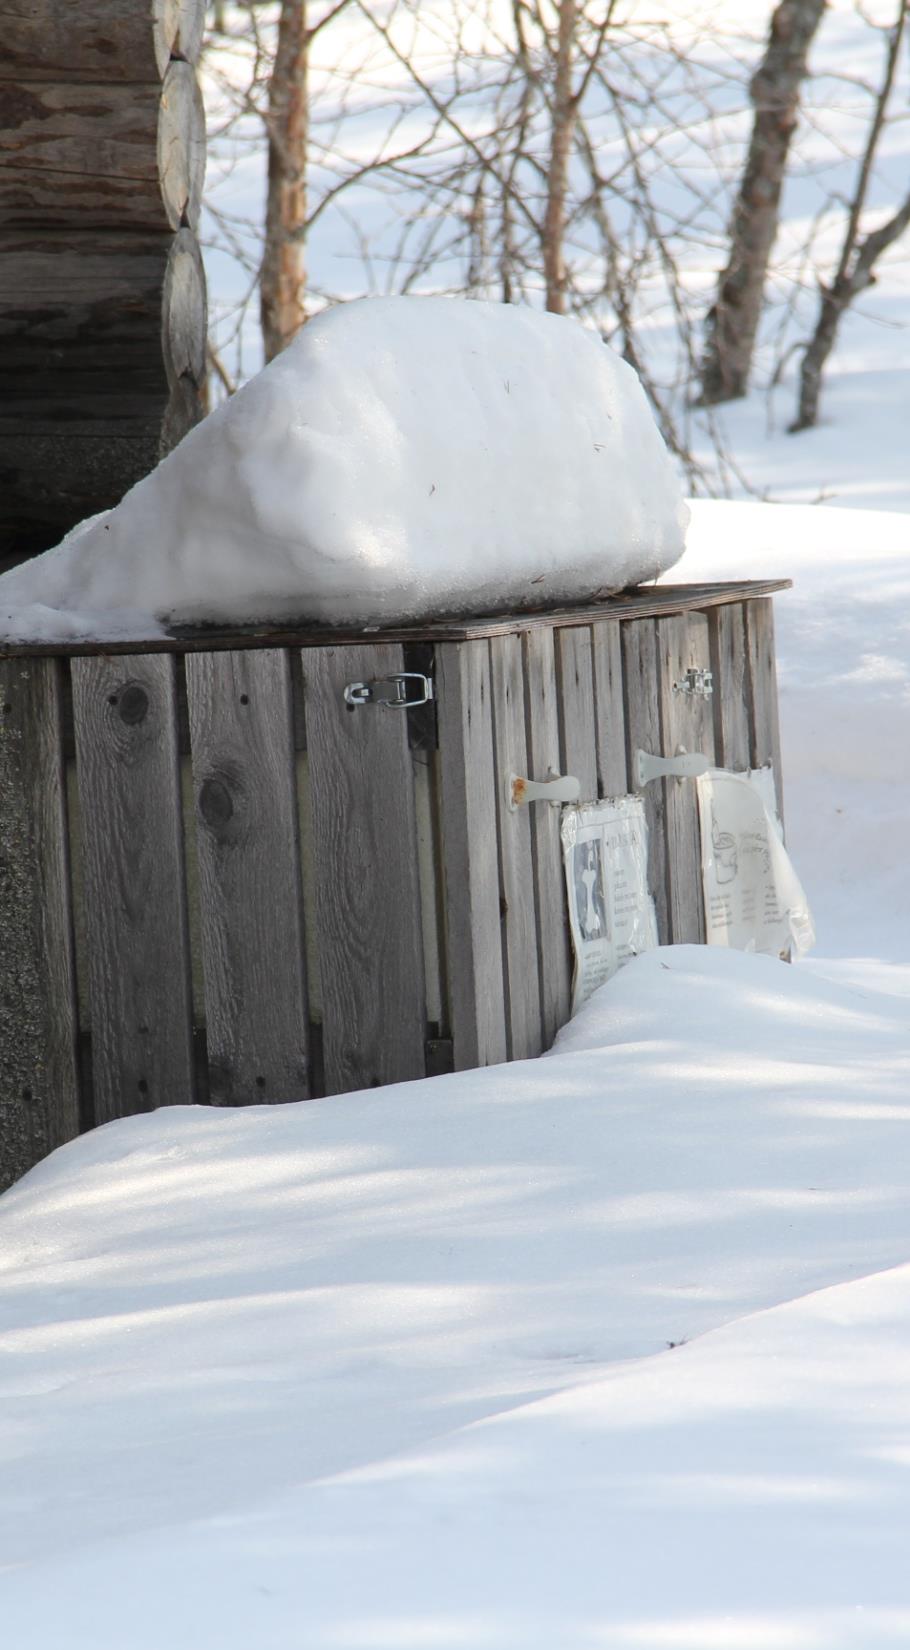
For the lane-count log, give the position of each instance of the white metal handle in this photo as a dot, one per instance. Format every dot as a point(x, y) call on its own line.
point(684, 766)
point(562, 789)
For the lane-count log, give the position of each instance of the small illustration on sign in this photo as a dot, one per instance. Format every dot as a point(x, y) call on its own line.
point(592, 915)
point(725, 859)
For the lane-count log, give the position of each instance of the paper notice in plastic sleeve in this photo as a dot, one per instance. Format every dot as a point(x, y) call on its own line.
point(611, 913)
point(753, 898)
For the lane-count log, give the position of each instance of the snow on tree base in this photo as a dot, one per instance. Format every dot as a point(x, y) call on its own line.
point(404, 457)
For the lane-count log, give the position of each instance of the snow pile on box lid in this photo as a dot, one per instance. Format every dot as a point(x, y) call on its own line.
point(404, 458)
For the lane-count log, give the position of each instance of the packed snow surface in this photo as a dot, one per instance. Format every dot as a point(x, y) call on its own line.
point(502, 1359)
point(403, 458)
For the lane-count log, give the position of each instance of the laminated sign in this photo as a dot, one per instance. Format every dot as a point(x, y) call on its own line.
point(753, 898)
point(611, 913)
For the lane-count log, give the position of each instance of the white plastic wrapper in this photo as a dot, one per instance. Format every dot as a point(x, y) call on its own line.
point(611, 913)
point(754, 900)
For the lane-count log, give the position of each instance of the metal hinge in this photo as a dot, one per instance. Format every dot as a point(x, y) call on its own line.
point(700, 683)
point(396, 697)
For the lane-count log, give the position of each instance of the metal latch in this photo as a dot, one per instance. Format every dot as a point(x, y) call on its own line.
point(390, 691)
point(684, 765)
point(700, 683)
point(560, 788)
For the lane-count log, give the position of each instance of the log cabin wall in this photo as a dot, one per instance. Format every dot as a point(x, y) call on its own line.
point(219, 883)
point(102, 291)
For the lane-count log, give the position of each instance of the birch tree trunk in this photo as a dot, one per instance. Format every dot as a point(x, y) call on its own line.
point(283, 271)
point(775, 92)
point(856, 265)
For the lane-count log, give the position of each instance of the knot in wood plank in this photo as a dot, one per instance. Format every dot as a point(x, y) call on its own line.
point(216, 804)
point(133, 704)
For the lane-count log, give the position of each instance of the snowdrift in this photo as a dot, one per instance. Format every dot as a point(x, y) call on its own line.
point(404, 457)
point(434, 1367)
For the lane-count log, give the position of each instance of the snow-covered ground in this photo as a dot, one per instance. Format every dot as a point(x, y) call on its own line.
point(606, 1349)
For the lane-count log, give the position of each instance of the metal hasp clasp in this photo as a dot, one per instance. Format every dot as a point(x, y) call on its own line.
point(700, 683)
point(390, 691)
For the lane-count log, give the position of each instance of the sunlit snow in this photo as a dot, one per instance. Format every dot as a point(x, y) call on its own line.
point(403, 458)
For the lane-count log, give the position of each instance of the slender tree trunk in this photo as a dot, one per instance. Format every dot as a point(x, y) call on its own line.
point(565, 111)
point(283, 272)
point(856, 266)
point(835, 299)
point(775, 90)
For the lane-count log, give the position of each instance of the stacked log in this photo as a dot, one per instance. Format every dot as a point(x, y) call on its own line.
point(102, 292)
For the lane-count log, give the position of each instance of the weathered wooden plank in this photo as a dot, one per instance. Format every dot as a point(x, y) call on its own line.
point(726, 628)
point(183, 322)
point(104, 156)
point(643, 732)
point(648, 602)
point(687, 724)
point(124, 716)
point(762, 678)
point(367, 883)
point(575, 696)
point(102, 350)
point(549, 880)
point(39, 1087)
point(250, 901)
point(469, 854)
point(608, 705)
point(98, 40)
point(70, 302)
point(520, 943)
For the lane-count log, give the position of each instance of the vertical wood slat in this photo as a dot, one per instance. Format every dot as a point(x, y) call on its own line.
point(469, 854)
point(765, 728)
point(251, 906)
point(608, 703)
point(521, 951)
point(687, 723)
point(367, 881)
point(125, 723)
point(549, 878)
point(39, 1087)
point(643, 732)
point(732, 743)
point(577, 722)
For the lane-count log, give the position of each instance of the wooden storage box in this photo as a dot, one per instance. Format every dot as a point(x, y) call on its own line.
point(221, 882)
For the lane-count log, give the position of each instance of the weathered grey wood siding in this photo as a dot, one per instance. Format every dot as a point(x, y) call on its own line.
point(469, 855)
point(687, 724)
point(39, 1088)
point(544, 760)
point(250, 898)
point(230, 795)
point(369, 931)
point(124, 719)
